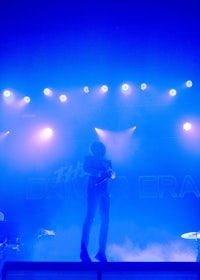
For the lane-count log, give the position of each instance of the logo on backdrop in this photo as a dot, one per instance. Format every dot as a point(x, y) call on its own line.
point(65, 182)
point(70, 181)
point(168, 185)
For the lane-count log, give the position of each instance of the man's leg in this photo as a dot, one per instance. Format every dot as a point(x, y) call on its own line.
point(105, 209)
point(91, 211)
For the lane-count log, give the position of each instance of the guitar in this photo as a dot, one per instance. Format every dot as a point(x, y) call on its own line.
point(110, 174)
point(101, 169)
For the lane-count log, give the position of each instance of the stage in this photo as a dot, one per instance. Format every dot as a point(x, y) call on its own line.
point(101, 271)
point(125, 73)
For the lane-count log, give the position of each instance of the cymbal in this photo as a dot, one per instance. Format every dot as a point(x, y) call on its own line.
point(191, 235)
point(45, 232)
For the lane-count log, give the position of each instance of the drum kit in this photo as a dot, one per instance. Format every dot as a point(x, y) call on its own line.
point(9, 240)
point(194, 235)
point(11, 245)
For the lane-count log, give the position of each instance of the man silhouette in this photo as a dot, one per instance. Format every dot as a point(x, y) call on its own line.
point(99, 169)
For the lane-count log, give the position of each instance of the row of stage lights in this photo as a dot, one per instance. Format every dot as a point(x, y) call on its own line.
point(47, 132)
point(126, 89)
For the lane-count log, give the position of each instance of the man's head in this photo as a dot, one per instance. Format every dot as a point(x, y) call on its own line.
point(98, 149)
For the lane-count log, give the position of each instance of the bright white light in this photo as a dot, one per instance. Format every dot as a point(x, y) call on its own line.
point(27, 99)
point(143, 86)
point(100, 132)
point(187, 126)
point(8, 96)
point(7, 93)
point(47, 92)
point(125, 87)
point(4, 134)
point(86, 89)
point(188, 83)
point(104, 88)
point(47, 133)
point(132, 129)
point(172, 92)
point(63, 98)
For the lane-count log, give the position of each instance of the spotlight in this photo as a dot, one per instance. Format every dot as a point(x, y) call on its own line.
point(104, 88)
point(188, 83)
point(143, 86)
point(86, 89)
point(63, 98)
point(100, 132)
point(7, 93)
point(187, 126)
point(47, 133)
point(8, 96)
point(126, 89)
point(4, 134)
point(47, 92)
point(27, 99)
point(172, 92)
point(132, 129)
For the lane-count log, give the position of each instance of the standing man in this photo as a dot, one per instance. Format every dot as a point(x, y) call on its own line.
point(99, 170)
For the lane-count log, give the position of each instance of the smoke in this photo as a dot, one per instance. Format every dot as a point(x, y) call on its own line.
point(174, 251)
point(65, 246)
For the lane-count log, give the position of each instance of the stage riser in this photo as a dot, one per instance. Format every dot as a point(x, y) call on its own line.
point(94, 276)
point(98, 271)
